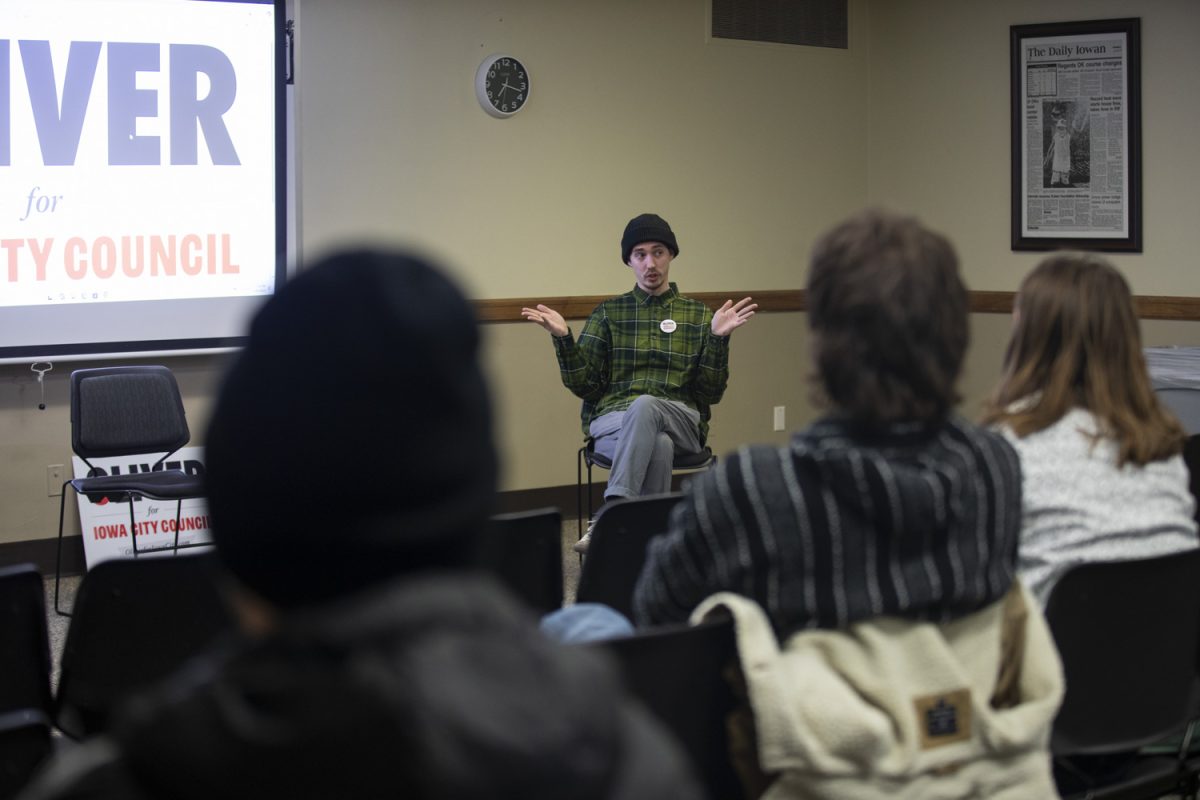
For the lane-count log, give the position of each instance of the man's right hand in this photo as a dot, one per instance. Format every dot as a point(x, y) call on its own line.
point(548, 318)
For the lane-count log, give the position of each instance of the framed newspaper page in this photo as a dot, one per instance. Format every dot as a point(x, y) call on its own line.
point(1077, 136)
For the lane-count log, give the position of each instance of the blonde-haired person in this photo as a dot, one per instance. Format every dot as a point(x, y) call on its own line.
point(1103, 478)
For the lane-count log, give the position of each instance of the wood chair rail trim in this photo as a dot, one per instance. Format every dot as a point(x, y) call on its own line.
point(791, 300)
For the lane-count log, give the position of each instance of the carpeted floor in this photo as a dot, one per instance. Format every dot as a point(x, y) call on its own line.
point(56, 623)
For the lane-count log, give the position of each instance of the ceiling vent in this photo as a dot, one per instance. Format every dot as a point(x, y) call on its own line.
point(816, 23)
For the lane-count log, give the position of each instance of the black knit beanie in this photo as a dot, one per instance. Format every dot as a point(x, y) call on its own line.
point(647, 228)
point(351, 441)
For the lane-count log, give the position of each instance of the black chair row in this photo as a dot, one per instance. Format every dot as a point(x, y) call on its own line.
point(1128, 634)
point(25, 701)
point(135, 620)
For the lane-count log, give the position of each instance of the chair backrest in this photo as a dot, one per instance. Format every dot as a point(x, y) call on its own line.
point(682, 675)
point(25, 650)
point(524, 550)
point(617, 551)
point(25, 742)
point(126, 411)
point(24, 676)
point(1128, 633)
point(1191, 457)
point(135, 621)
point(1183, 403)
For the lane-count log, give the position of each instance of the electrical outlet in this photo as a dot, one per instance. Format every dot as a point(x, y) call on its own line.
point(54, 480)
point(779, 425)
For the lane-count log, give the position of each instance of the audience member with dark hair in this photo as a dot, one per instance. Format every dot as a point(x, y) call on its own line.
point(649, 365)
point(1103, 475)
point(346, 496)
point(870, 563)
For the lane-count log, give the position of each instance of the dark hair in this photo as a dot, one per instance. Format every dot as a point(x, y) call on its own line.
point(1076, 343)
point(888, 311)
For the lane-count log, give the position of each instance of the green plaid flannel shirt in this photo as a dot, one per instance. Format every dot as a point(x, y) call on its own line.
point(623, 353)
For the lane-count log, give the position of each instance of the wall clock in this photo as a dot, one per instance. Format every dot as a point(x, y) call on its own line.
point(502, 85)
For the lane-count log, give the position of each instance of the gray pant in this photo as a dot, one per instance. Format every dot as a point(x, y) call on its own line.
point(641, 442)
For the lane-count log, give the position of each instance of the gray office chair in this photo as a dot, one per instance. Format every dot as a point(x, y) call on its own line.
point(118, 411)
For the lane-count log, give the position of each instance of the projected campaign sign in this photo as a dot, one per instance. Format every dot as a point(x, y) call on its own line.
point(138, 169)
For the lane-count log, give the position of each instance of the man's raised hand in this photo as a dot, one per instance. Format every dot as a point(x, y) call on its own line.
point(551, 320)
point(729, 317)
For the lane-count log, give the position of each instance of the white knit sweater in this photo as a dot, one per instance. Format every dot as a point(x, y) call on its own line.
point(1078, 506)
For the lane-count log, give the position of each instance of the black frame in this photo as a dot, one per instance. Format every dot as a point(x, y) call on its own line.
point(82, 348)
point(1131, 241)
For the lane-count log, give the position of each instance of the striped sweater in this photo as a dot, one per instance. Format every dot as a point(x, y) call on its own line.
point(844, 525)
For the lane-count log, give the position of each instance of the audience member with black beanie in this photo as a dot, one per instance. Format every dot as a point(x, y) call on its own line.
point(648, 365)
point(351, 468)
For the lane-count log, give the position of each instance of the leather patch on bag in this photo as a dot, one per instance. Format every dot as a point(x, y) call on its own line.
point(943, 718)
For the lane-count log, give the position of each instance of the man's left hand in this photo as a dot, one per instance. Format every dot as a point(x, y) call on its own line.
point(729, 317)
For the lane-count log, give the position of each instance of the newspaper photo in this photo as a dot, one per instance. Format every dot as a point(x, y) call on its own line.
point(1077, 160)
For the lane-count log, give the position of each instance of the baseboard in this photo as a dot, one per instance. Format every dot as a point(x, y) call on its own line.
point(563, 497)
point(42, 553)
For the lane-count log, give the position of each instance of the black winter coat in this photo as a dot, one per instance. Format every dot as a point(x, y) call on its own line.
point(434, 687)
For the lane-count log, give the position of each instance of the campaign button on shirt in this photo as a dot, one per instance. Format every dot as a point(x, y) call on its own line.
point(667, 326)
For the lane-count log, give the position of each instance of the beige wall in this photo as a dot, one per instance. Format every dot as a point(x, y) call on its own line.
point(750, 150)
point(940, 144)
point(640, 114)
point(940, 128)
